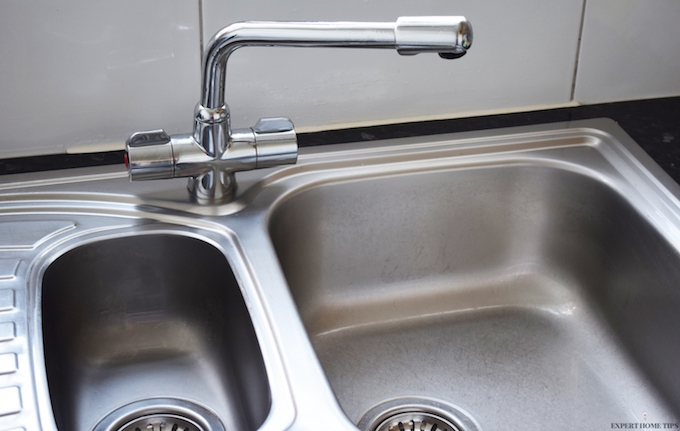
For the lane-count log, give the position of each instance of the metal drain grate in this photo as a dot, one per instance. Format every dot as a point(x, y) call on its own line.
point(416, 414)
point(416, 421)
point(161, 414)
point(160, 422)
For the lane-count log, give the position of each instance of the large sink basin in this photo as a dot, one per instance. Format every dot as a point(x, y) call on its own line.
point(521, 278)
point(525, 291)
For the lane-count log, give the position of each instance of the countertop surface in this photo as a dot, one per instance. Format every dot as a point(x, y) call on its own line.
point(653, 123)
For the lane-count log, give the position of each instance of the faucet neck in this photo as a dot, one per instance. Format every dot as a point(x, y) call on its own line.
point(450, 36)
point(294, 34)
point(212, 129)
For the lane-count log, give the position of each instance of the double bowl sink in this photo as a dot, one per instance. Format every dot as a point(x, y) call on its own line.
point(525, 278)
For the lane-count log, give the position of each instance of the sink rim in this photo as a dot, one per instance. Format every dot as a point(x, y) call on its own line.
point(279, 414)
point(634, 174)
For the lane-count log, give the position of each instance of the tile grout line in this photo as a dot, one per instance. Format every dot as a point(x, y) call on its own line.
point(578, 51)
point(200, 31)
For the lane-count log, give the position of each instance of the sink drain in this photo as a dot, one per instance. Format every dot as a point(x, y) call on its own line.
point(162, 423)
point(416, 421)
point(416, 414)
point(161, 414)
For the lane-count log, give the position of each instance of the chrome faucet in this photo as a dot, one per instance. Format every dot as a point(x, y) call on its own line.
point(214, 152)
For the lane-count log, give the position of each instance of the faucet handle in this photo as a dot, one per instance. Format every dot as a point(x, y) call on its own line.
point(149, 137)
point(265, 126)
point(275, 142)
point(149, 155)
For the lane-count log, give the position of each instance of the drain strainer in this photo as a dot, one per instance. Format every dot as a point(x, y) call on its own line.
point(162, 422)
point(416, 421)
point(161, 414)
point(416, 414)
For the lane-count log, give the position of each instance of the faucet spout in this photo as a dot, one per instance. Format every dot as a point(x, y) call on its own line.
point(447, 35)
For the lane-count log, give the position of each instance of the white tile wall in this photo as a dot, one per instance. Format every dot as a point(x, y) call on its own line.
point(82, 72)
point(630, 50)
point(75, 73)
point(523, 55)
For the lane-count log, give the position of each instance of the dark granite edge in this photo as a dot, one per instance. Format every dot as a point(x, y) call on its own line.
point(653, 123)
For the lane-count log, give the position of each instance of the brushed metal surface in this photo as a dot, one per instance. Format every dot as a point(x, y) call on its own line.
point(146, 316)
point(527, 277)
point(523, 292)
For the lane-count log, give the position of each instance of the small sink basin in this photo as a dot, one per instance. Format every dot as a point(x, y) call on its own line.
point(525, 293)
point(144, 317)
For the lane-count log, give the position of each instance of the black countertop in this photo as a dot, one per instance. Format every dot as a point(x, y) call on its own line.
point(654, 124)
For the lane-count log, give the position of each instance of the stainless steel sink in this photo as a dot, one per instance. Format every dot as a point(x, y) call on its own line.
point(519, 278)
point(149, 316)
point(524, 294)
point(537, 289)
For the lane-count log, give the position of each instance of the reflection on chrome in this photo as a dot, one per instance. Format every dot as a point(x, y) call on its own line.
point(214, 151)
